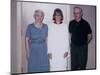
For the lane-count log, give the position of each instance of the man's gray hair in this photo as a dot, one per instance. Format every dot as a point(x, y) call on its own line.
point(81, 11)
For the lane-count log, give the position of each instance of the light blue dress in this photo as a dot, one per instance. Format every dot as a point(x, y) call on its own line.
point(38, 58)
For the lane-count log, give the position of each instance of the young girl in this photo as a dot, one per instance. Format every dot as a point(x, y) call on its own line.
point(58, 43)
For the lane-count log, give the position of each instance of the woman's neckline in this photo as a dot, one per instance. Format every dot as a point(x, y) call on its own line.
point(58, 24)
point(37, 27)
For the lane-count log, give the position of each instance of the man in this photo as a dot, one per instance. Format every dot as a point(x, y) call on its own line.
point(81, 35)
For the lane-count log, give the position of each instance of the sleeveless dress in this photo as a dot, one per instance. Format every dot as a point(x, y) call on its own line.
point(38, 58)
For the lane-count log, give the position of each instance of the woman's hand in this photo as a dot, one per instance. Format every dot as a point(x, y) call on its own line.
point(50, 55)
point(27, 48)
point(27, 56)
point(65, 54)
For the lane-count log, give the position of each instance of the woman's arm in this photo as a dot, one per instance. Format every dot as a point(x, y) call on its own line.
point(49, 54)
point(27, 47)
point(66, 54)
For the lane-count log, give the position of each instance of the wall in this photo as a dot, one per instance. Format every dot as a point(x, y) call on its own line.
point(16, 47)
point(13, 37)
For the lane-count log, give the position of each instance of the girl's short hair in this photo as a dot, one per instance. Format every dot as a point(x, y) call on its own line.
point(57, 10)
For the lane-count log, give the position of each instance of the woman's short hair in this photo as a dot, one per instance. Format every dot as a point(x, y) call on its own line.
point(38, 11)
point(57, 10)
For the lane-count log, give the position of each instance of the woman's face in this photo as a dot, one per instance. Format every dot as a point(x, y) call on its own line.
point(38, 17)
point(58, 17)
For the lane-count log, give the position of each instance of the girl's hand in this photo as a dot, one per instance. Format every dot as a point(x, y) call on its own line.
point(50, 55)
point(65, 54)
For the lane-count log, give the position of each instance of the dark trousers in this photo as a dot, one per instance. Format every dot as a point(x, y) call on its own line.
point(79, 57)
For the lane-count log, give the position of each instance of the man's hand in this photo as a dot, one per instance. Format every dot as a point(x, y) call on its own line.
point(89, 37)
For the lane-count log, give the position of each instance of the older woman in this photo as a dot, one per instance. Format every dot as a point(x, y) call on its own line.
point(36, 46)
point(58, 43)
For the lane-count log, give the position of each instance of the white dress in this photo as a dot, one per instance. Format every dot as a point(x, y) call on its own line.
point(58, 44)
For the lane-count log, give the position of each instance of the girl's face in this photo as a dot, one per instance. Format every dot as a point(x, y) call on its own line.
point(58, 17)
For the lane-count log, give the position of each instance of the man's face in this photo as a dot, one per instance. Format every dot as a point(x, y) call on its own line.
point(77, 14)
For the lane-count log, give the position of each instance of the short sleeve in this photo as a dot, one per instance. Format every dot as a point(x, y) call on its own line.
point(28, 31)
point(70, 28)
point(46, 30)
point(89, 31)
